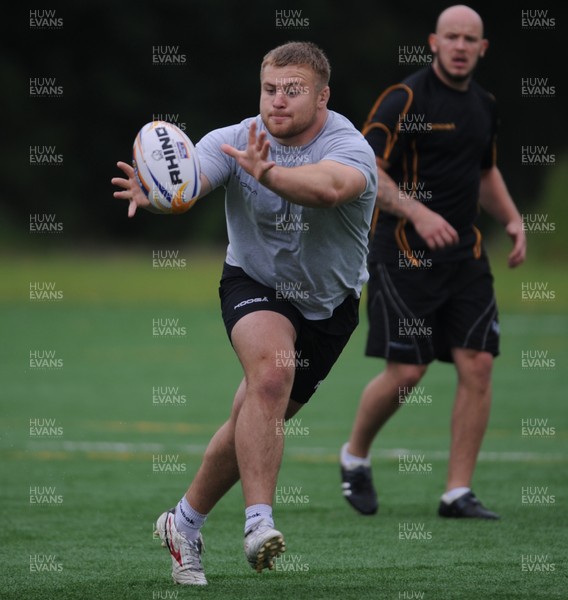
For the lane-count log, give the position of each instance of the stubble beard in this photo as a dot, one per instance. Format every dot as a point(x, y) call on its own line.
point(450, 76)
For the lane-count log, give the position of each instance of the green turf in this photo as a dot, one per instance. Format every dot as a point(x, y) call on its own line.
point(96, 525)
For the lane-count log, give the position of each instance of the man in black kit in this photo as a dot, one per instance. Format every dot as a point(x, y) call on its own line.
point(430, 294)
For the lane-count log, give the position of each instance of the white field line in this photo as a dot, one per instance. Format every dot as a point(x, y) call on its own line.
point(315, 454)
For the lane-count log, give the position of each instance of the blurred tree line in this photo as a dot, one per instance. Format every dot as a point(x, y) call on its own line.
point(101, 55)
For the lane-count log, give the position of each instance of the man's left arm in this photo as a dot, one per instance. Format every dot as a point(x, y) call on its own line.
point(494, 198)
point(321, 185)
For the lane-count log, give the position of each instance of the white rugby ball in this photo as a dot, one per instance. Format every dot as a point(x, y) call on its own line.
point(167, 167)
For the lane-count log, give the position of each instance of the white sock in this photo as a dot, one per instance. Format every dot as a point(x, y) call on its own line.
point(454, 494)
point(349, 461)
point(187, 520)
point(256, 513)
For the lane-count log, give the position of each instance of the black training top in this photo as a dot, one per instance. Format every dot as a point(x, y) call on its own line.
point(436, 140)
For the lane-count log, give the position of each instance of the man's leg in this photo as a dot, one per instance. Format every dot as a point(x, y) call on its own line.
point(470, 414)
point(265, 344)
point(259, 339)
point(469, 421)
point(380, 400)
point(470, 323)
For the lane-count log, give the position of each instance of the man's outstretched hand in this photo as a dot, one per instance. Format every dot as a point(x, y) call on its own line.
point(254, 158)
point(130, 189)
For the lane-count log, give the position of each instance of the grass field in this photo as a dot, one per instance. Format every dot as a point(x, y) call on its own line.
point(103, 424)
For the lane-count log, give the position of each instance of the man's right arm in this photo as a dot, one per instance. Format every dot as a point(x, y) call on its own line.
point(131, 191)
point(382, 132)
point(430, 226)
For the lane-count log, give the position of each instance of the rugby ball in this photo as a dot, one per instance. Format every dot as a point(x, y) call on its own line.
point(167, 167)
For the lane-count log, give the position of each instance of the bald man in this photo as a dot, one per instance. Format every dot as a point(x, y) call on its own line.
point(430, 293)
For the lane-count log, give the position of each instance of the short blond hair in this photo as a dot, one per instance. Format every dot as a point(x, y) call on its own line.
point(300, 53)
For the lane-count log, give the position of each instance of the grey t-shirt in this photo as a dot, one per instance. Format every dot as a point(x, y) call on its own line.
point(313, 257)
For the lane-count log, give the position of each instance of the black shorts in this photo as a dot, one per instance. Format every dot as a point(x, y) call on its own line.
point(417, 315)
point(318, 343)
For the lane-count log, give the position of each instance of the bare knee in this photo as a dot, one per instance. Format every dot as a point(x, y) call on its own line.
point(271, 381)
point(268, 385)
point(407, 376)
point(474, 368)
